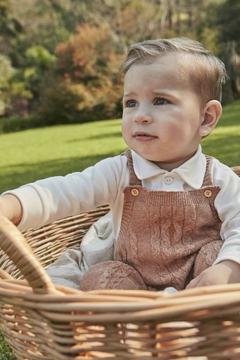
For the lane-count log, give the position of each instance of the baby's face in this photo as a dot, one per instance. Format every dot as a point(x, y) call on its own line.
point(162, 115)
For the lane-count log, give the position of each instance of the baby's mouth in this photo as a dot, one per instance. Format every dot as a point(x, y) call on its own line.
point(143, 136)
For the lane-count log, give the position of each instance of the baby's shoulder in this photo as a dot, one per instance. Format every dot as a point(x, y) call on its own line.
point(223, 174)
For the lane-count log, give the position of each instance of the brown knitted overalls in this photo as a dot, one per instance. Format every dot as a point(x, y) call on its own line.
point(166, 238)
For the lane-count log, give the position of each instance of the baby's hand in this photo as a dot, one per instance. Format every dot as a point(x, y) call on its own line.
point(225, 272)
point(11, 208)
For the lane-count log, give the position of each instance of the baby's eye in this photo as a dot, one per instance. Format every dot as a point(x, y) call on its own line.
point(131, 103)
point(160, 101)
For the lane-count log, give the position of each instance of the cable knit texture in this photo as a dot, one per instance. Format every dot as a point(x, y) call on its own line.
point(167, 238)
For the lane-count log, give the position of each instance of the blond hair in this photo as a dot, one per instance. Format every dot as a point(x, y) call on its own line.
point(207, 71)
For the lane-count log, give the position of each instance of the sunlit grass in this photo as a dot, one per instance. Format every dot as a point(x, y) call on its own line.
point(224, 142)
point(38, 153)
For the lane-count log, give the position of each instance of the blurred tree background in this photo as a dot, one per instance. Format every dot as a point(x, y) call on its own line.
point(59, 58)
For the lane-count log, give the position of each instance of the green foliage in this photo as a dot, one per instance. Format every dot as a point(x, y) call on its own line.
point(31, 45)
point(20, 123)
point(12, 88)
point(45, 23)
point(227, 19)
point(6, 70)
point(40, 57)
point(22, 90)
point(5, 351)
point(38, 61)
point(9, 25)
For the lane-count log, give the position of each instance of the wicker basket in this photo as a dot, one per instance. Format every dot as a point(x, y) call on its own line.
point(43, 321)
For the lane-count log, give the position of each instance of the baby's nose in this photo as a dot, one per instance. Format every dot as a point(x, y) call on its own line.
point(143, 115)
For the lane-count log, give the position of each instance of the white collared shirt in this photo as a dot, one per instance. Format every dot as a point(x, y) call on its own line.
point(47, 200)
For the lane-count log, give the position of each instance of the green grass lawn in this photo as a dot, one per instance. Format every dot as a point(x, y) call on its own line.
point(224, 142)
point(33, 154)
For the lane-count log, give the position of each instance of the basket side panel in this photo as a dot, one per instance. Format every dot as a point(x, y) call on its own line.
point(51, 240)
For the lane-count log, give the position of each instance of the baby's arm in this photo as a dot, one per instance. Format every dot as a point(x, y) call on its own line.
point(11, 208)
point(225, 272)
point(226, 268)
point(46, 200)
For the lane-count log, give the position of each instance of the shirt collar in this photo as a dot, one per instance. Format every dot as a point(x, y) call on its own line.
point(191, 172)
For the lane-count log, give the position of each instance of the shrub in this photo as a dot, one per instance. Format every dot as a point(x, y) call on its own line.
point(5, 350)
point(84, 85)
point(18, 123)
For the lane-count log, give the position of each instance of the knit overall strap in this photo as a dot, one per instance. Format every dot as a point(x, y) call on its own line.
point(208, 181)
point(133, 179)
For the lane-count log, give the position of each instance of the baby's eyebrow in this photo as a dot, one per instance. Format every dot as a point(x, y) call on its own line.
point(129, 94)
point(161, 92)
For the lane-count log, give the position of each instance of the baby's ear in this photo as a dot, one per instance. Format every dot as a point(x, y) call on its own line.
point(211, 115)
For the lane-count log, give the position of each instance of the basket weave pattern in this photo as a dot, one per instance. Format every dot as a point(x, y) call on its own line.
point(42, 321)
